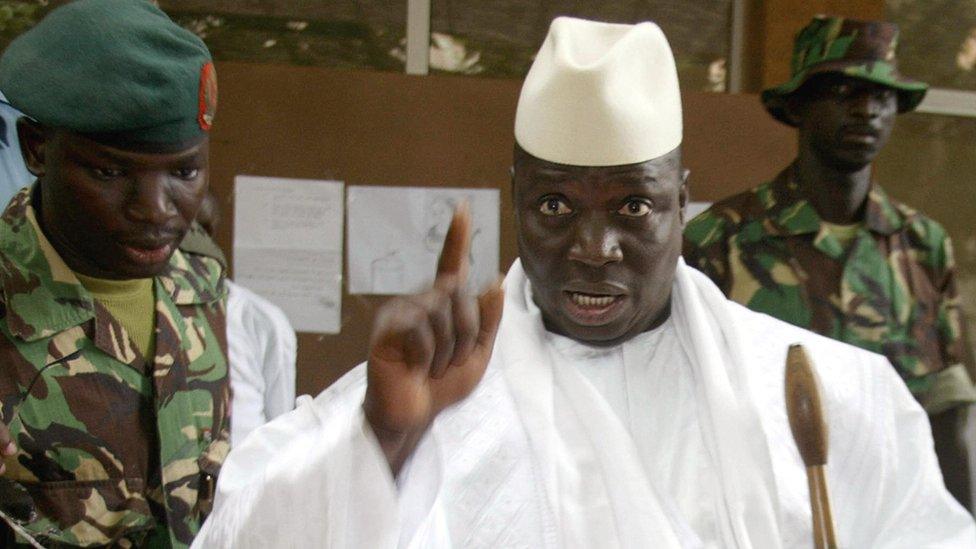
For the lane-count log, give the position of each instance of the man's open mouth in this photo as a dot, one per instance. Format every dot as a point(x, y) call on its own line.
point(592, 309)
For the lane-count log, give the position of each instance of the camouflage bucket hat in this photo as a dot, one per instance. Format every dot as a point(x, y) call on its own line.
point(859, 49)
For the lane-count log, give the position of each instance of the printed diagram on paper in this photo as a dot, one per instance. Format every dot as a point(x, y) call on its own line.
point(396, 233)
point(288, 247)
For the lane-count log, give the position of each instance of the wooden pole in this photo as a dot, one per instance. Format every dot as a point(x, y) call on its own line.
point(810, 433)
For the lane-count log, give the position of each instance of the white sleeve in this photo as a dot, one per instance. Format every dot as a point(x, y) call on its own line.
point(279, 366)
point(316, 477)
point(903, 499)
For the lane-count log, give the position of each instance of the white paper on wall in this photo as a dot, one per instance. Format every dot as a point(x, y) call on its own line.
point(288, 247)
point(395, 236)
point(695, 208)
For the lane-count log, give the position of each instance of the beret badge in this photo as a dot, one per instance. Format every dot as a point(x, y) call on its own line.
point(208, 96)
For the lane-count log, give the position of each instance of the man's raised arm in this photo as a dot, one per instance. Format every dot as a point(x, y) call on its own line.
point(324, 474)
point(429, 351)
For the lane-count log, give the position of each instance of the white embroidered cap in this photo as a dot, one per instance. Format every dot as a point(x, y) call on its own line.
point(600, 94)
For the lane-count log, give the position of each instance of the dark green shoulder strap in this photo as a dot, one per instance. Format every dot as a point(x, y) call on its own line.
point(197, 241)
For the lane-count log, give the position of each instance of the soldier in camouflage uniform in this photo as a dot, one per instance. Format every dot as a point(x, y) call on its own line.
point(114, 404)
point(825, 248)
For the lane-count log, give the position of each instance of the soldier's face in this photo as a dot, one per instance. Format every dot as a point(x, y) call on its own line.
point(600, 244)
point(846, 121)
point(111, 212)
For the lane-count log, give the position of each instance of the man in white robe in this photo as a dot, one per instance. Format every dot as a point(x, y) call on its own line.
point(621, 401)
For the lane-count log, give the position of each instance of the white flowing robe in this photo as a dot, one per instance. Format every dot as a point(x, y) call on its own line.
point(648, 383)
point(537, 457)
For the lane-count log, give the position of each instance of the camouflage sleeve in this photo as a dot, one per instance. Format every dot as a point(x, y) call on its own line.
point(706, 247)
point(950, 313)
point(9, 388)
point(948, 389)
point(213, 458)
point(951, 386)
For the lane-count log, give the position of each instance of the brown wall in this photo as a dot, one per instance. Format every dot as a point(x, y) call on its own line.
point(390, 129)
point(770, 26)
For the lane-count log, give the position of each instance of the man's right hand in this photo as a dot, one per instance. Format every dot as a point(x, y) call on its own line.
point(7, 446)
point(429, 351)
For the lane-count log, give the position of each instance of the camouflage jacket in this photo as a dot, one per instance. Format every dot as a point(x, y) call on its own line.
point(112, 447)
point(892, 291)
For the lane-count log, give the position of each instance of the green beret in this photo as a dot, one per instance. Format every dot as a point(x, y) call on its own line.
point(112, 67)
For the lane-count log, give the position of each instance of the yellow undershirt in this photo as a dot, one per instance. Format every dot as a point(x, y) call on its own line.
point(132, 303)
point(845, 234)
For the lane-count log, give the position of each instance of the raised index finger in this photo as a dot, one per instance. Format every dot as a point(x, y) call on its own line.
point(453, 263)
